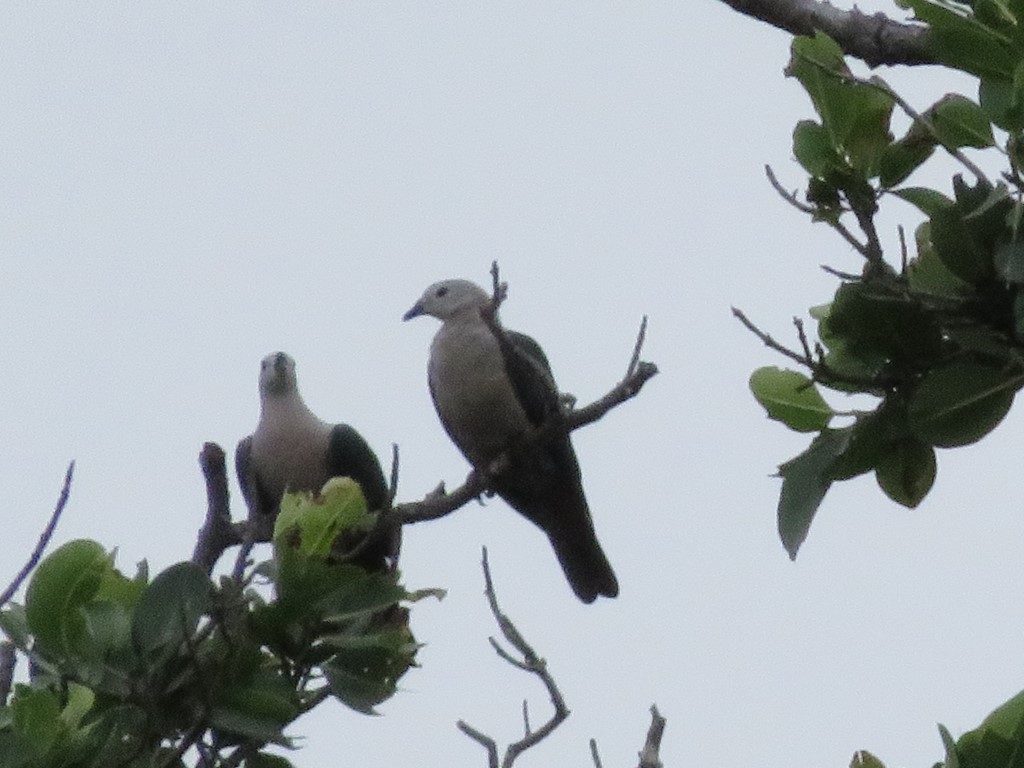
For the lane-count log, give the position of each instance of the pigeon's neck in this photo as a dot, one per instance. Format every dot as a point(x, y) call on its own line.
point(292, 409)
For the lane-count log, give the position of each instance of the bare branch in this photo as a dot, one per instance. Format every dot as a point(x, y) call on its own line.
point(649, 755)
point(499, 291)
point(531, 663)
point(790, 197)
point(594, 754)
point(44, 539)
point(874, 39)
point(912, 113)
point(641, 336)
point(483, 739)
point(769, 341)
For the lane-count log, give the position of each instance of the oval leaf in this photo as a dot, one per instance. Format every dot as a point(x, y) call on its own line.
point(959, 122)
point(961, 403)
point(170, 608)
point(65, 581)
point(791, 398)
point(907, 472)
point(805, 481)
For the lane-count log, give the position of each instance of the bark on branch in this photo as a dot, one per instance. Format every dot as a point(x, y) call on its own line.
point(875, 39)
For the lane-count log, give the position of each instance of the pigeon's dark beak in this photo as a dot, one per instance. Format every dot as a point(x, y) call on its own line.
point(416, 311)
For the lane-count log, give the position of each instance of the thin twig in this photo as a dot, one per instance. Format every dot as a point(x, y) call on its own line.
point(913, 114)
point(594, 754)
point(499, 290)
point(44, 539)
point(841, 275)
point(634, 361)
point(790, 197)
point(802, 335)
point(769, 341)
point(530, 662)
point(483, 739)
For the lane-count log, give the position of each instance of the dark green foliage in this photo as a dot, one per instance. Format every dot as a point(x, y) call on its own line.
point(936, 339)
point(129, 671)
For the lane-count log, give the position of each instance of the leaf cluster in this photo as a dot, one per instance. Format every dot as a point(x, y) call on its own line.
point(135, 672)
point(936, 340)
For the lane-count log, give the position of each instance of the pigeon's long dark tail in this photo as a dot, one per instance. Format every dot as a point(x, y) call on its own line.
point(584, 562)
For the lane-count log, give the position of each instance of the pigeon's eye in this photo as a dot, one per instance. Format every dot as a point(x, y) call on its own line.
point(442, 291)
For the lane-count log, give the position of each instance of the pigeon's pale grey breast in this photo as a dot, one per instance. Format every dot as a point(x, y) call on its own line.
point(472, 391)
point(289, 447)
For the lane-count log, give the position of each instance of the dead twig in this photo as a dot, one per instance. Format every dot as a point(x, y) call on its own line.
point(44, 539)
point(649, 755)
point(530, 662)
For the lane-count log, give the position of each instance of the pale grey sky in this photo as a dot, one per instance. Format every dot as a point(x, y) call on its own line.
point(185, 187)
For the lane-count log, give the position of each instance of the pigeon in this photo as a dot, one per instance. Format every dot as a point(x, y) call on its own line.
point(492, 388)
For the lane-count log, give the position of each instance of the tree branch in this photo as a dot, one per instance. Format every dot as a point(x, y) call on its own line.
point(44, 539)
point(875, 39)
point(531, 663)
point(649, 755)
point(218, 532)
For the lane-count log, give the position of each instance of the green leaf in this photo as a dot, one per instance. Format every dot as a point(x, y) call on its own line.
point(65, 581)
point(926, 272)
point(871, 437)
point(263, 760)
point(805, 481)
point(37, 718)
point(1009, 262)
point(791, 398)
point(14, 623)
point(170, 609)
point(962, 42)
point(928, 201)
point(875, 322)
point(1006, 719)
point(956, 248)
point(855, 115)
point(1018, 315)
point(1003, 100)
point(961, 403)
point(308, 524)
point(959, 122)
point(864, 759)
point(265, 695)
point(907, 472)
point(362, 677)
point(812, 146)
point(900, 159)
point(952, 760)
point(242, 724)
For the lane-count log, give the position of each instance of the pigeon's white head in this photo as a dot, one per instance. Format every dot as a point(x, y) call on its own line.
point(277, 374)
point(448, 298)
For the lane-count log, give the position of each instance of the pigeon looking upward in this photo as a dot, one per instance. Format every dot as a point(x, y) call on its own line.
point(490, 389)
point(293, 450)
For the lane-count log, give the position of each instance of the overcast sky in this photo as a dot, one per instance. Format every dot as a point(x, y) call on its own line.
point(185, 187)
